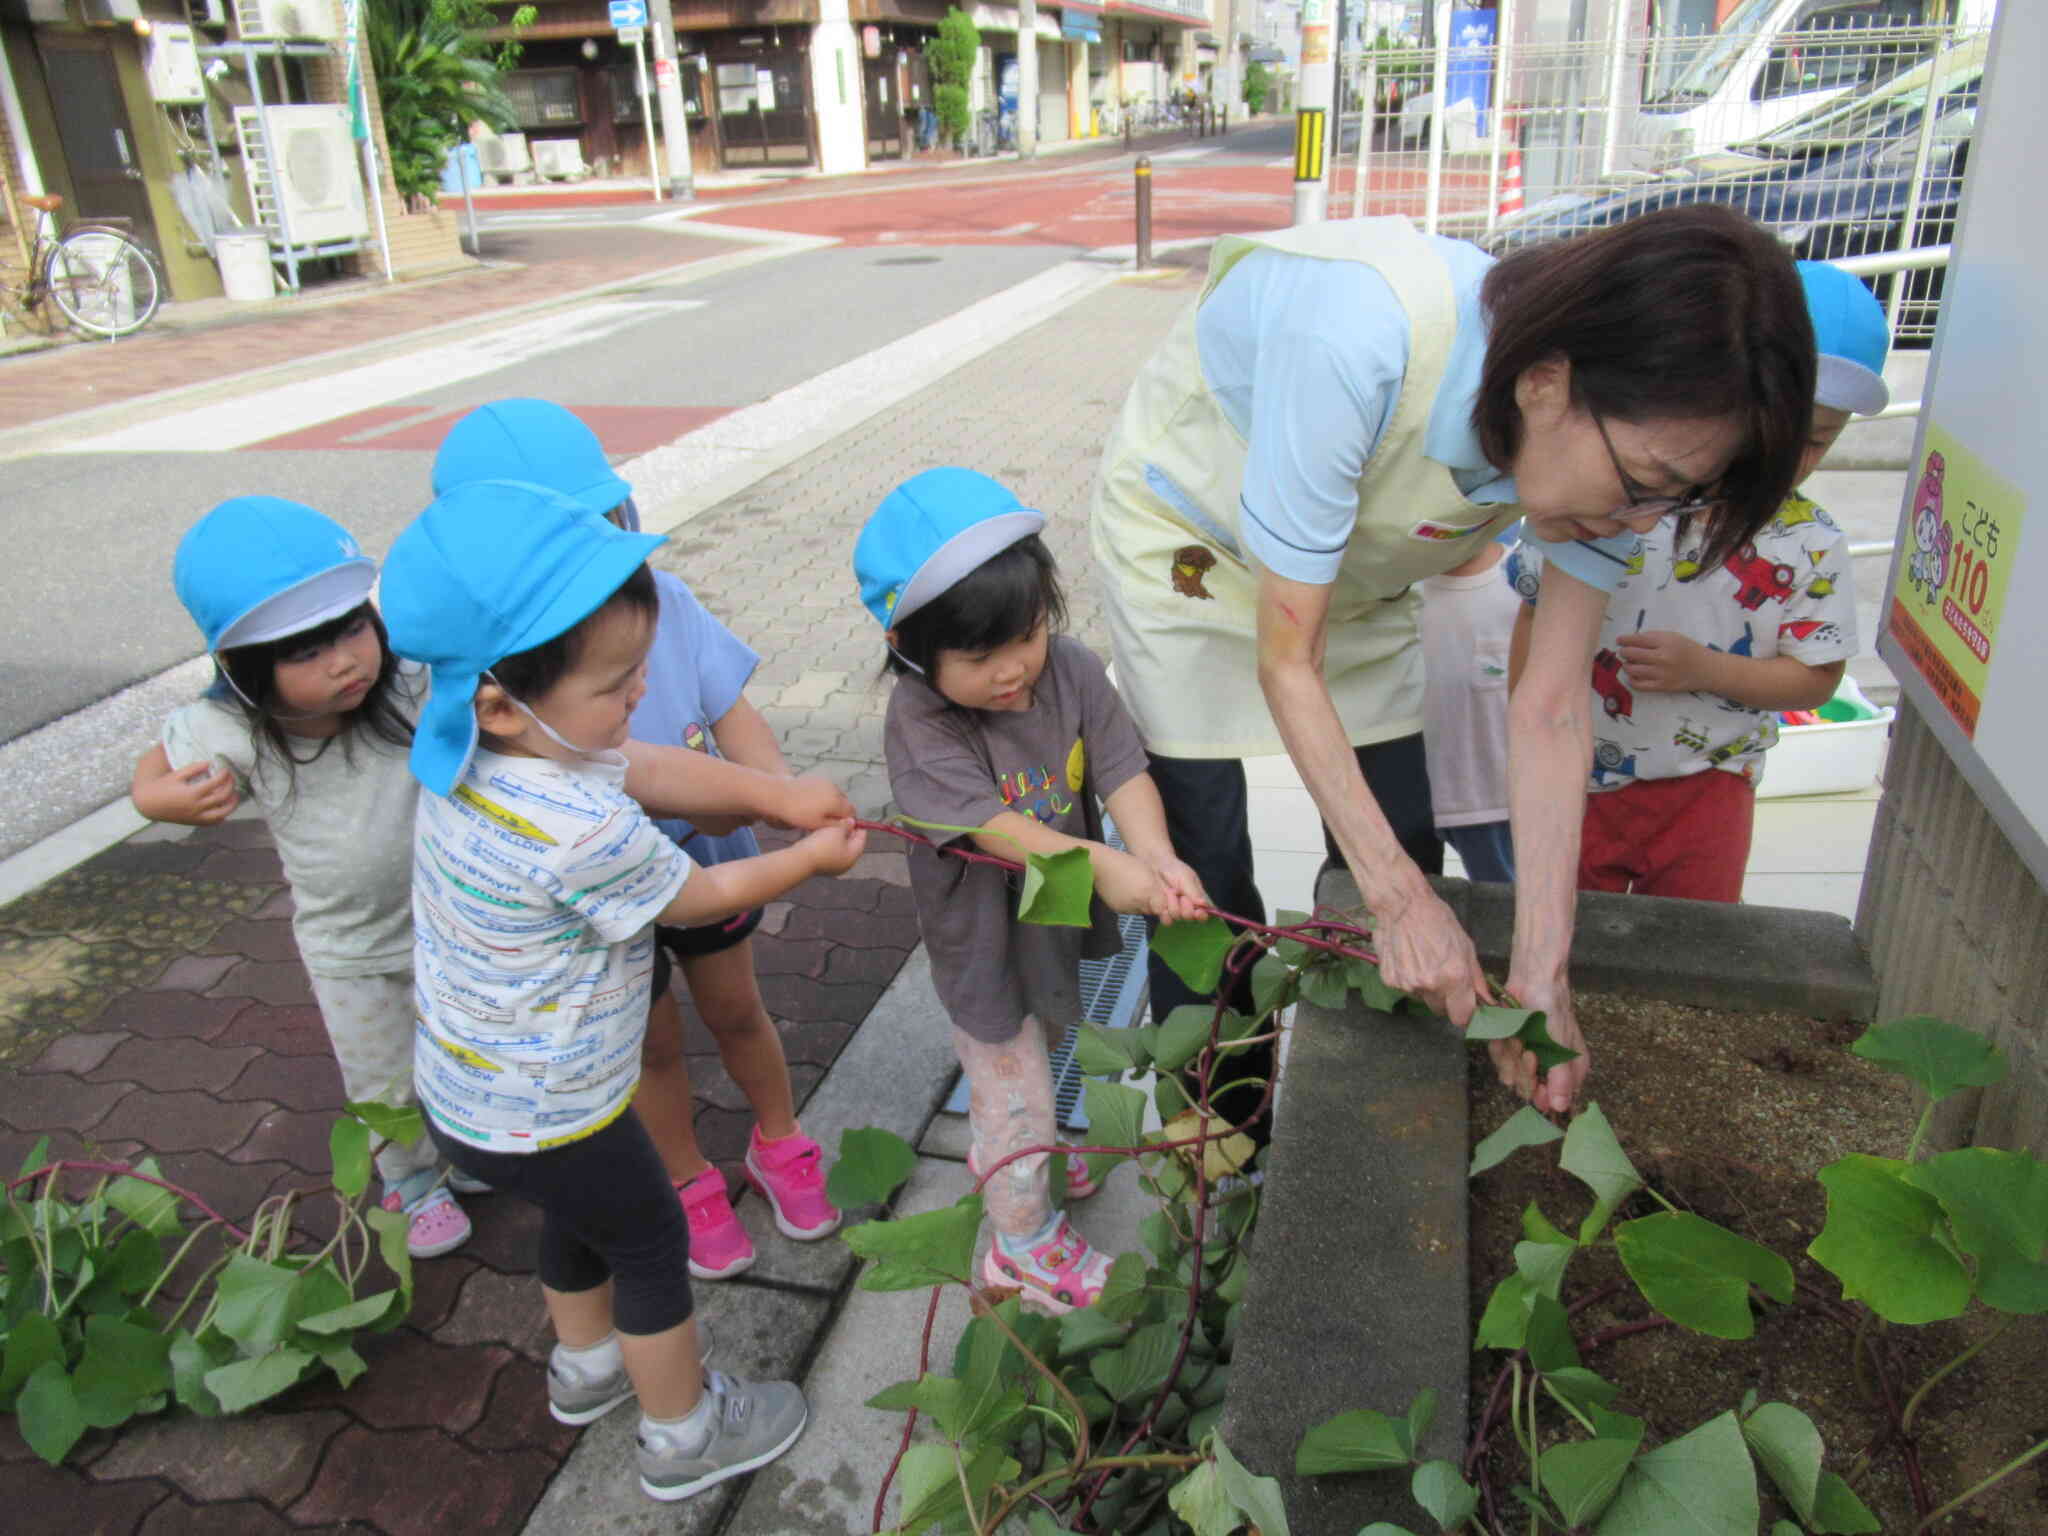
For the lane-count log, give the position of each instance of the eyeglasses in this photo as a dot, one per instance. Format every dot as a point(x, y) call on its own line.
point(1640, 502)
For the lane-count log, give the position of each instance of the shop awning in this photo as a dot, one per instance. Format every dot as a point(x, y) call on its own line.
point(1158, 13)
point(1082, 24)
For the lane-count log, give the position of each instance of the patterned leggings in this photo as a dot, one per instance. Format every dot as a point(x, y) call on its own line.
point(1009, 1105)
point(369, 1023)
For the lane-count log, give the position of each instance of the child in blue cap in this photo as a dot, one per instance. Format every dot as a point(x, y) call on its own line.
point(1695, 664)
point(696, 675)
point(999, 722)
point(310, 716)
point(537, 885)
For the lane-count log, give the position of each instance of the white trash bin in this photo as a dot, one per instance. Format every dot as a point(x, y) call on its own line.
point(244, 260)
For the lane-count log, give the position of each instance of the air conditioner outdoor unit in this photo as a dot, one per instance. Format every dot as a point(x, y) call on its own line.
point(268, 20)
point(304, 177)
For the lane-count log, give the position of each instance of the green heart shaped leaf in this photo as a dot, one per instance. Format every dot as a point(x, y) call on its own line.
point(1058, 889)
point(1699, 1274)
point(1195, 951)
point(871, 1166)
point(1593, 1154)
point(1526, 1127)
point(1943, 1058)
point(1362, 1440)
point(1882, 1242)
point(1701, 1484)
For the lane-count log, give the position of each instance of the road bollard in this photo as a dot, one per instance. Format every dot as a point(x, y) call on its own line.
point(1143, 173)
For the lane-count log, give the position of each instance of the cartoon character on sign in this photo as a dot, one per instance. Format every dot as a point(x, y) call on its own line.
point(1933, 540)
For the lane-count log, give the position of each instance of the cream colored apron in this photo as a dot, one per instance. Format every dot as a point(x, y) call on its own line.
point(1179, 593)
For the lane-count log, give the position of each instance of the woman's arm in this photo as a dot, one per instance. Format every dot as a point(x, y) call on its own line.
point(1550, 752)
point(1422, 948)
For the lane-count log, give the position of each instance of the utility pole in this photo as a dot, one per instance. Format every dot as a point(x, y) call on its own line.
point(1027, 78)
point(668, 90)
point(1232, 89)
point(1312, 115)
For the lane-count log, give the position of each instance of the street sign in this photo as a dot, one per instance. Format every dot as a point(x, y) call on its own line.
point(628, 13)
point(632, 37)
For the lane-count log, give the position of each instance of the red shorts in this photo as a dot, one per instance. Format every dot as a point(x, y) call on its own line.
point(1670, 837)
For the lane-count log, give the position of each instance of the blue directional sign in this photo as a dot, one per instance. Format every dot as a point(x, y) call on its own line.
point(629, 13)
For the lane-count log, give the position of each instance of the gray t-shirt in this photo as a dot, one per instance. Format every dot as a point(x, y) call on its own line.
point(963, 767)
point(343, 824)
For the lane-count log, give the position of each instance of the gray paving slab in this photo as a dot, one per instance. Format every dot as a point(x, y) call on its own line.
point(893, 1075)
point(761, 1332)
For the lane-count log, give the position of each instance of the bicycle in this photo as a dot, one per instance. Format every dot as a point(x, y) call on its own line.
point(103, 282)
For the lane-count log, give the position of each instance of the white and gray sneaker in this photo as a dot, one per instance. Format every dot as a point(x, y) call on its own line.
point(751, 1423)
point(577, 1398)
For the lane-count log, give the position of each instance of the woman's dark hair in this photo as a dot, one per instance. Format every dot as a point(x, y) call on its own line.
point(1685, 313)
point(1000, 600)
point(531, 673)
point(249, 681)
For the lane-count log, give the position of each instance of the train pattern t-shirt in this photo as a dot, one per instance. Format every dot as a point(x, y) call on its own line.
point(961, 768)
point(1788, 593)
point(535, 889)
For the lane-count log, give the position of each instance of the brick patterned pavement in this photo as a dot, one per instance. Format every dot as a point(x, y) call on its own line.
point(528, 266)
point(151, 1001)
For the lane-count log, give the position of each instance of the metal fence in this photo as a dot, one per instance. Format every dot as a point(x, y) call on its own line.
point(1824, 135)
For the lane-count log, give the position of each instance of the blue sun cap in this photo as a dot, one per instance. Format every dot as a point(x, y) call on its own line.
point(260, 568)
point(1851, 336)
point(931, 531)
point(536, 441)
point(492, 568)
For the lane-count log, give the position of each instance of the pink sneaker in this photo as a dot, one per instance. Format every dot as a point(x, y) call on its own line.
point(435, 1224)
point(719, 1245)
point(1080, 1183)
point(790, 1172)
point(1061, 1273)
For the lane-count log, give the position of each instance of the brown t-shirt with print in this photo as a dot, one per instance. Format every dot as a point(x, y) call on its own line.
point(1076, 745)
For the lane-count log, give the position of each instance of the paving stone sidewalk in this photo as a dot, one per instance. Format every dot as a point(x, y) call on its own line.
point(151, 1001)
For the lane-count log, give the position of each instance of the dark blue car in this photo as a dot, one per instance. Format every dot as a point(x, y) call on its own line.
point(1835, 183)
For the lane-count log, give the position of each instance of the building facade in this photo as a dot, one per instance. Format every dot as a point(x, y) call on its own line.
point(839, 85)
point(137, 112)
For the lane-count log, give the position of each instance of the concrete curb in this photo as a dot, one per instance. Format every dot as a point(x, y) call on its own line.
point(1371, 1305)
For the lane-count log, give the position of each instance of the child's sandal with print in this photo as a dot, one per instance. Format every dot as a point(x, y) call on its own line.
point(1055, 1276)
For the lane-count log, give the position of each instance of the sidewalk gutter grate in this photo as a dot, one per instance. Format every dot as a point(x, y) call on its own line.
point(1111, 991)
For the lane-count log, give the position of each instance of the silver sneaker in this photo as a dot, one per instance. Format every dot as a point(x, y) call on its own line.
point(574, 1398)
point(753, 1422)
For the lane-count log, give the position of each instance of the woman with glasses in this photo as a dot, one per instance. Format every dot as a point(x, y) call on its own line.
point(1351, 407)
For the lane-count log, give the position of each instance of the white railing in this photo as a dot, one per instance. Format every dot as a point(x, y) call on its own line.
point(1825, 135)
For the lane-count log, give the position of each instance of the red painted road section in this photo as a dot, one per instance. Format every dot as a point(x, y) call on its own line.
point(1084, 207)
point(625, 430)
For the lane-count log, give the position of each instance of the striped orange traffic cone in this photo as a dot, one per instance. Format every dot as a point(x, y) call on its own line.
point(1511, 178)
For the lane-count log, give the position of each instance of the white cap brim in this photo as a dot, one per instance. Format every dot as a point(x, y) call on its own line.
point(312, 602)
point(1845, 386)
point(968, 550)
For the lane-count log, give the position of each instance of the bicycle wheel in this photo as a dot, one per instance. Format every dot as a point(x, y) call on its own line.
point(103, 282)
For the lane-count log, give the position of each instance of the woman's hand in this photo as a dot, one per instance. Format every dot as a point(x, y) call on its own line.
point(1424, 951)
point(1557, 1090)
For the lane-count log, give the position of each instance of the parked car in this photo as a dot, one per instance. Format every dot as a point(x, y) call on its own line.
point(1835, 183)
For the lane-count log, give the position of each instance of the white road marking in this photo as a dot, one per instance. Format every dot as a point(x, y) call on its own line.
point(294, 407)
point(1190, 154)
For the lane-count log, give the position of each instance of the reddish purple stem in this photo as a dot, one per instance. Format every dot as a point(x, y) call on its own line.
point(124, 1170)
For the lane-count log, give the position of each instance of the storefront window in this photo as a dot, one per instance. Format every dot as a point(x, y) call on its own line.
point(544, 98)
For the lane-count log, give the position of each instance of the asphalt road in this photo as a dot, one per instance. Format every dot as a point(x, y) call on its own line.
point(90, 534)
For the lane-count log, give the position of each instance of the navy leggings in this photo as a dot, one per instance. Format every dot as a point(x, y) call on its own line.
point(1208, 818)
point(608, 1212)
